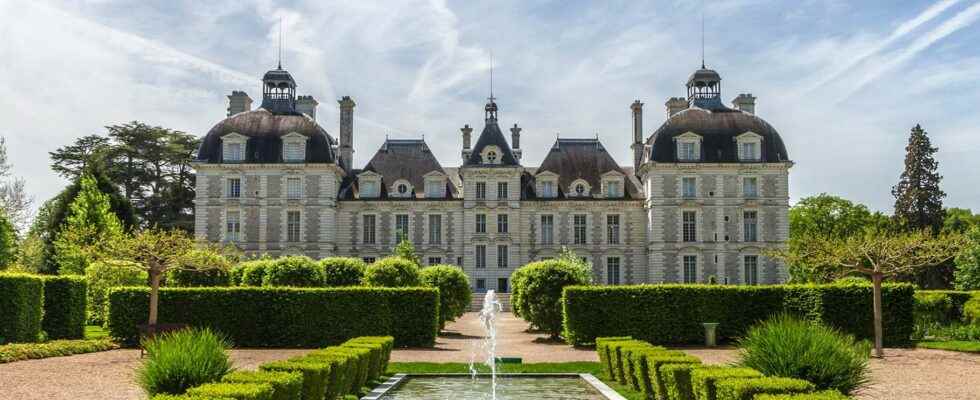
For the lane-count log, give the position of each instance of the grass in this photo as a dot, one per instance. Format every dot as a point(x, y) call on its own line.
point(952, 345)
point(593, 368)
point(95, 332)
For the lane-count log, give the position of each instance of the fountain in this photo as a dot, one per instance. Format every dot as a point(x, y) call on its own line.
point(488, 318)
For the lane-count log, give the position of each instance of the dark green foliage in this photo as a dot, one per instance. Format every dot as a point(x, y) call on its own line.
point(746, 389)
point(204, 267)
point(316, 375)
point(918, 199)
point(392, 272)
point(704, 380)
point(8, 241)
point(286, 317)
point(295, 271)
point(102, 276)
point(188, 397)
point(387, 344)
point(342, 271)
point(967, 274)
point(788, 347)
point(649, 372)
point(672, 314)
point(285, 385)
point(537, 292)
point(253, 272)
point(935, 309)
point(376, 362)
point(64, 307)
point(21, 307)
point(454, 290)
point(360, 360)
point(406, 250)
point(237, 391)
point(824, 395)
point(971, 310)
point(177, 361)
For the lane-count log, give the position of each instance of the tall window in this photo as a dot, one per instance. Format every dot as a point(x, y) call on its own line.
point(233, 152)
point(369, 189)
point(435, 229)
point(292, 226)
point(547, 229)
point(548, 189)
point(690, 226)
point(481, 256)
point(435, 260)
point(401, 227)
point(502, 190)
point(687, 151)
point(690, 187)
point(612, 270)
point(233, 226)
point(578, 226)
point(613, 189)
point(294, 188)
point(293, 152)
point(690, 269)
point(369, 229)
point(481, 190)
point(503, 256)
point(612, 229)
point(750, 187)
point(751, 270)
point(502, 223)
point(234, 188)
point(481, 285)
point(751, 226)
point(749, 151)
point(433, 189)
point(481, 223)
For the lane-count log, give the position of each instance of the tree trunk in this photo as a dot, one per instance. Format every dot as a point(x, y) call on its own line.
point(154, 296)
point(876, 279)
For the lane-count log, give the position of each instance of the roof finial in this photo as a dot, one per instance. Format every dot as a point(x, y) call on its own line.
point(702, 35)
point(280, 44)
point(491, 98)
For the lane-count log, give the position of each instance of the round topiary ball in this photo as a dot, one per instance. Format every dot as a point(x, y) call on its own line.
point(537, 290)
point(454, 290)
point(253, 272)
point(299, 271)
point(342, 271)
point(392, 272)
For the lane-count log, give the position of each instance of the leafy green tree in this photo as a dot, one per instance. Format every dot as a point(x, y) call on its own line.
point(89, 226)
point(967, 275)
point(918, 198)
point(156, 251)
point(960, 220)
point(69, 161)
point(8, 242)
point(405, 249)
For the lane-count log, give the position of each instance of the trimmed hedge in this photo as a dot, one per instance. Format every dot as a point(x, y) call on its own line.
point(285, 317)
point(605, 360)
point(64, 307)
point(285, 385)
point(55, 348)
point(343, 370)
point(237, 391)
point(342, 271)
point(392, 272)
point(454, 290)
point(294, 271)
point(316, 375)
point(677, 380)
point(747, 389)
point(252, 272)
point(950, 304)
point(825, 395)
point(650, 370)
point(672, 314)
point(21, 307)
point(704, 380)
point(187, 397)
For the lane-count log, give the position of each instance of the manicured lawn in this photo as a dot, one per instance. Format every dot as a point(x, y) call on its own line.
point(952, 345)
point(95, 332)
point(593, 368)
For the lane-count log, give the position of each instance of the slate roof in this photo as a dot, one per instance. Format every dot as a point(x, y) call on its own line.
point(586, 159)
point(718, 127)
point(408, 159)
point(492, 135)
point(265, 130)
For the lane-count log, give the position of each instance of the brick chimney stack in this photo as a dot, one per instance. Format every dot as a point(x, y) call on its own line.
point(346, 132)
point(239, 102)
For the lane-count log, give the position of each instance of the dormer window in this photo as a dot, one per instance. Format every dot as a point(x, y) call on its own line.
point(401, 188)
point(369, 185)
point(688, 147)
point(233, 147)
point(547, 184)
point(580, 188)
point(294, 147)
point(612, 184)
point(234, 152)
point(548, 189)
point(435, 185)
point(749, 147)
point(491, 155)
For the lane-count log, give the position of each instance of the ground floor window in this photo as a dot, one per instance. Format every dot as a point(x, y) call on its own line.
point(612, 271)
point(502, 285)
point(481, 285)
point(481, 256)
point(368, 260)
point(751, 265)
point(690, 269)
point(435, 260)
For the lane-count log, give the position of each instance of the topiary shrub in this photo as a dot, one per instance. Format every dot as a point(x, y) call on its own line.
point(21, 307)
point(177, 361)
point(537, 292)
point(971, 310)
point(788, 347)
point(296, 271)
point(202, 268)
point(747, 389)
point(316, 375)
point(342, 271)
point(253, 272)
point(104, 275)
point(392, 272)
point(64, 307)
point(237, 391)
point(704, 380)
point(824, 395)
point(285, 385)
point(454, 290)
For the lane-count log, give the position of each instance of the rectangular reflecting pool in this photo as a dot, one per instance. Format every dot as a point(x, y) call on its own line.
point(509, 387)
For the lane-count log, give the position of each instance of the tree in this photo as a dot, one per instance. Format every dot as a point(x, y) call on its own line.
point(967, 275)
point(918, 199)
point(879, 256)
point(89, 226)
point(960, 220)
point(156, 251)
point(8, 242)
point(405, 249)
point(14, 200)
point(69, 161)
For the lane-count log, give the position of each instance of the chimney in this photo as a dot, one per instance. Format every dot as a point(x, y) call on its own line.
point(306, 105)
point(515, 140)
point(346, 132)
point(238, 102)
point(466, 141)
point(637, 145)
point(675, 105)
point(745, 102)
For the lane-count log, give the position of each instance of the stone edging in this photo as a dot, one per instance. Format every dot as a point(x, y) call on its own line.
point(397, 380)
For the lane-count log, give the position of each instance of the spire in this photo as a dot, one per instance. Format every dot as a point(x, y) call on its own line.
point(702, 35)
point(280, 44)
point(491, 108)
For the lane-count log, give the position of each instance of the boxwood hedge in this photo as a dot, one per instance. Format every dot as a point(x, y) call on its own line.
point(64, 307)
point(672, 314)
point(747, 389)
point(825, 395)
point(285, 317)
point(21, 307)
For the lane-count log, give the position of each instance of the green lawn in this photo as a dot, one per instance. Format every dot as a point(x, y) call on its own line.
point(953, 345)
point(95, 332)
point(571, 367)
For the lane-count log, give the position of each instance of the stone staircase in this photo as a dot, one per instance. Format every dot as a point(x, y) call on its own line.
point(477, 303)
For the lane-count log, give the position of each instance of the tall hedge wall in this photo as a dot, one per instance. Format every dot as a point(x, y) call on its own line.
point(21, 307)
point(285, 317)
point(672, 314)
point(64, 307)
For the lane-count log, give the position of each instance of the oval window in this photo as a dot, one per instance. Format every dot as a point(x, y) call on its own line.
point(492, 156)
point(402, 188)
point(580, 189)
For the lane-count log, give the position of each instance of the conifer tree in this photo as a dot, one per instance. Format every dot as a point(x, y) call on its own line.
point(918, 199)
point(91, 225)
point(8, 241)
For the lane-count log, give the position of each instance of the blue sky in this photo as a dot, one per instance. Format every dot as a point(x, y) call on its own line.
point(842, 81)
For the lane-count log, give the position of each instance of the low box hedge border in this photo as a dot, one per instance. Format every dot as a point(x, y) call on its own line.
point(704, 380)
point(64, 307)
point(285, 385)
point(825, 395)
point(237, 391)
point(56, 348)
point(747, 389)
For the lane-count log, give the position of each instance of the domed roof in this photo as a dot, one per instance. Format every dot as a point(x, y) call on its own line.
point(264, 131)
point(718, 128)
point(704, 75)
point(278, 74)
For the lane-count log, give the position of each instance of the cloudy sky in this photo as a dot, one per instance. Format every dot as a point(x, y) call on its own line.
point(843, 81)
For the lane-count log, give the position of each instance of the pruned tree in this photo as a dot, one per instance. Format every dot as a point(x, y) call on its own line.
point(878, 256)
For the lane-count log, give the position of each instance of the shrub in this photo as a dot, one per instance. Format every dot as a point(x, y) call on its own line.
point(672, 314)
point(188, 397)
point(237, 391)
point(788, 347)
point(342, 271)
point(747, 389)
point(316, 375)
point(537, 292)
point(177, 361)
point(971, 310)
point(359, 360)
point(454, 290)
point(703, 380)
point(64, 307)
point(392, 272)
point(55, 348)
point(253, 272)
point(343, 371)
point(285, 385)
point(824, 395)
point(648, 370)
point(376, 361)
point(235, 274)
point(202, 268)
point(296, 271)
point(101, 276)
point(602, 347)
point(21, 307)
point(286, 317)
point(387, 344)
point(677, 380)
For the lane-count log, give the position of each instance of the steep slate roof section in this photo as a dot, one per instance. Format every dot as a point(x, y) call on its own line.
point(492, 135)
point(718, 128)
point(586, 159)
point(408, 159)
point(265, 131)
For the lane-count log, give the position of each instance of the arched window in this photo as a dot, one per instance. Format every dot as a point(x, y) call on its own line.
point(580, 189)
point(402, 188)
